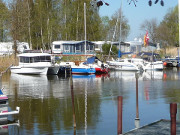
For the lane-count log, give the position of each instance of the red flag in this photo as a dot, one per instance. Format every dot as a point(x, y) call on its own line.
point(146, 39)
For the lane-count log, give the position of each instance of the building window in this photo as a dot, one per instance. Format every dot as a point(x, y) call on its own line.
point(66, 48)
point(57, 46)
point(78, 47)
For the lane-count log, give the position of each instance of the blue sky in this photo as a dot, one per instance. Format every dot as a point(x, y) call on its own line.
point(137, 15)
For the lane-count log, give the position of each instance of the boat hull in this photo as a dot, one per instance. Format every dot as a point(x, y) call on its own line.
point(53, 70)
point(83, 70)
point(124, 68)
point(101, 70)
point(154, 66)
point(29, 70)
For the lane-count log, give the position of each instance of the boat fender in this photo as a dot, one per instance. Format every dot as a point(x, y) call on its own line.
point(174, 63)
point(165, 63)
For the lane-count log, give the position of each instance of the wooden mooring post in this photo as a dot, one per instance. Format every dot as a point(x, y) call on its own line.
point(173, 111)
point(73, 107)
point(137, 125)
point(120, 104)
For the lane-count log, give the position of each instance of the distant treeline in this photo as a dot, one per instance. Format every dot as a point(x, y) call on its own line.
point(39, 22)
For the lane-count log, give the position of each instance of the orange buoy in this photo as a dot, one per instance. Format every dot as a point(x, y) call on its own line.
point(165, 63)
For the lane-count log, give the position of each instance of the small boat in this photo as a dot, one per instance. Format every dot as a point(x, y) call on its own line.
point(123, 65)
point(4, 107)
point(152, 61)
point(34, 63)
point(99, 66)
point(155, 65)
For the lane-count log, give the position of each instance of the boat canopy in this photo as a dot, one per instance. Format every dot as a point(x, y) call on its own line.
point(91, 60)
point(147, 54)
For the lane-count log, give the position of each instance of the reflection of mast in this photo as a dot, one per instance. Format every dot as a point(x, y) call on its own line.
point(85, 112)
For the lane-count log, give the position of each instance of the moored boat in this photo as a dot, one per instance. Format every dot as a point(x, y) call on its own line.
point(34, 63)
point(152, 61)
point(99, 66)
point(4, 107)
point(123, 65)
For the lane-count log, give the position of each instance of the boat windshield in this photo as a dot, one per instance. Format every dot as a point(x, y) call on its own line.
point(24, 59)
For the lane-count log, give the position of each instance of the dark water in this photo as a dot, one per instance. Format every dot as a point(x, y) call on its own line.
point(46, 101)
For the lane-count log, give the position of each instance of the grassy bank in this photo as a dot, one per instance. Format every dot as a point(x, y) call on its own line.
point(6, 61)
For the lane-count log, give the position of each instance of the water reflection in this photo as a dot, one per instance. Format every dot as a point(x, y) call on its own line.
point(30, 85)
point(9, 127)
point(47, 99)
point(46, 104)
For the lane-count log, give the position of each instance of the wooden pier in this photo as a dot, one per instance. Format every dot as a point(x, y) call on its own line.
point(161, 127)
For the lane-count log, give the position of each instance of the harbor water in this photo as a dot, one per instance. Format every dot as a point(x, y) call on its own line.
point(45, 101)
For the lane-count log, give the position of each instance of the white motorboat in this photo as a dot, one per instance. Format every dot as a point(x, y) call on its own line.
point(152, 61)
point(33, 63)
point(124, 65)
point(148, 65)
point(155, 65)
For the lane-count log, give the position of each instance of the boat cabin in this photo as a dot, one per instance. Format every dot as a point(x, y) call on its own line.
point(34, 57)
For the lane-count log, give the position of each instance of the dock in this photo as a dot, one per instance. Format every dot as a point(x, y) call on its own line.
point(160, 127)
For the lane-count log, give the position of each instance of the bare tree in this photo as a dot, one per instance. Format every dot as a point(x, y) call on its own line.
point(151, 27)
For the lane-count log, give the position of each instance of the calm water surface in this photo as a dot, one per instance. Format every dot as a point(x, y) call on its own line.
point(46, 101)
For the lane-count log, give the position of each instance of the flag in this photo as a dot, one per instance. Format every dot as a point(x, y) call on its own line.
point(146, 39)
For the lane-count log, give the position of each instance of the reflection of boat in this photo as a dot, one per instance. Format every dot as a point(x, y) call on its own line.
point(124, 75)
point(34, 63)
point(148, 75)
point(102, 75)
point(25, 87)
point(5, 125)
point(84, 76)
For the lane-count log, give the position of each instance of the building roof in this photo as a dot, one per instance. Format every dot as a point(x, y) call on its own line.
point(34, 54)
point(72, 42)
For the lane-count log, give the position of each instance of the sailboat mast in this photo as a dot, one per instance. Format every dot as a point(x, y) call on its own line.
point(85, 26)
point(120, 21)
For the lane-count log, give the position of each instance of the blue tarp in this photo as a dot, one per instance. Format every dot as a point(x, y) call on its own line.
point(90, 60)
point(119, 54)
point(1, 93)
